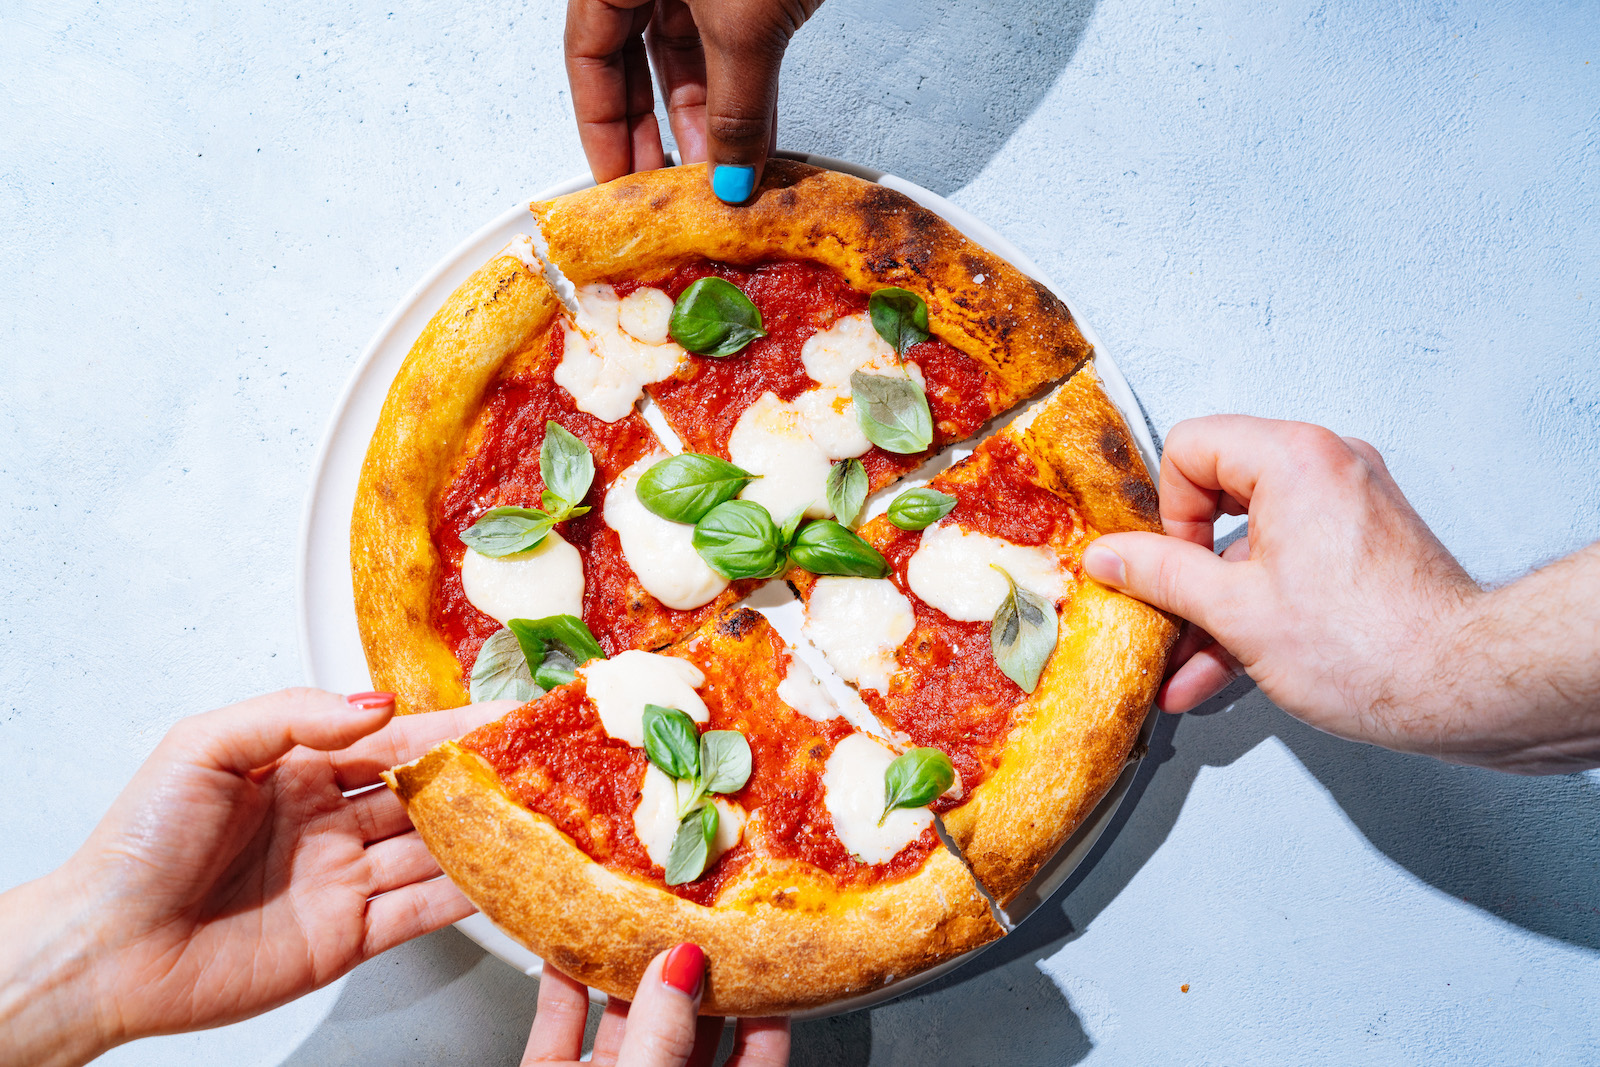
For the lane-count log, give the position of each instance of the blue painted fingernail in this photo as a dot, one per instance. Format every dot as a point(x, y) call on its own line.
point(733, 185)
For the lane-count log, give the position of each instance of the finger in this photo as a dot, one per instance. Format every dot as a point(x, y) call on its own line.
point(252, 734)
point(673, 41)
point(608, 1036)
point(760, 1043)
point(398, 862)
point(1206, 674)
point(1190, 641)
point(707, 1036)
point(558, 1020)
point(408, 737)
point(743, 54)
point(379, 815)
point(661, 1024)
point(610, 78)
point(1169, 573)
point(1366, 452)
point(406, 913)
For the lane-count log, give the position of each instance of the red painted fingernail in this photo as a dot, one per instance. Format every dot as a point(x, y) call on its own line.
point(369, 700)
point(685, 969)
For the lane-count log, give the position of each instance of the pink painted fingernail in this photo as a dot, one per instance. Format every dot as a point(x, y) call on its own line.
point(1104, 565)
point(685, 969)
point(369, 700)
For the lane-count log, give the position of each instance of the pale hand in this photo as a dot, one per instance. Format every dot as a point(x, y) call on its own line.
point(230, 876)
point(1349, 613)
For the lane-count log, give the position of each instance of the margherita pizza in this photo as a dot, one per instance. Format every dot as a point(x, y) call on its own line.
point(675, 772)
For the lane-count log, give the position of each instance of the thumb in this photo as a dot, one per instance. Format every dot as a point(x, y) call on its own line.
point(744, 49)
point(661, 1021)
point(252, 734)
point(1166, 572)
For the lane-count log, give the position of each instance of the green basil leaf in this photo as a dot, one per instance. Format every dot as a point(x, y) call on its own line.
point(672, 741)
point(892, 412)
point(847, 489)
point(683, 488)
point(691, 848)
point(506, 531)
point(825, 547)
point(915, 509)
point(555, 647)
point(900, 317)
point(738, 539)
point(559, 509)
point(790, 525)
point(713, 318)
point(915, 779)
point(724, 761)
point(1023, 634)
point(501, 670)
point(565, 464)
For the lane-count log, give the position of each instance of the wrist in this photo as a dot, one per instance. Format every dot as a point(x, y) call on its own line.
point(52, 957)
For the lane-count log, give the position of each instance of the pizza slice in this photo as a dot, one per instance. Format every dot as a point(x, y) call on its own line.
point(831, 320)
point(582, 825)
point(988, 643)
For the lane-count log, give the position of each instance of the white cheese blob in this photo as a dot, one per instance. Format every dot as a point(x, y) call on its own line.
point(545, 580)
point(854, 793)
point(770, 440)
point(830, 356)
point(953, 570)
point(521, 246)
point(621, 686)
point(645, 314)
point(604, 365)
point(655, 820)
point(802, 692)
point(660, 552)
point(858, 623)
point(794, 443)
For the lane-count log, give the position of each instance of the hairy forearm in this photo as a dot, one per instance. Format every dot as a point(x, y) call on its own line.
point(50, 1012)
point(1525, 691)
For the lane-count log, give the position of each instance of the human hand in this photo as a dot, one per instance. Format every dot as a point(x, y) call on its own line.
point(718, 62)
point(658, 1029)
point(1340, 603)
point(230, 876)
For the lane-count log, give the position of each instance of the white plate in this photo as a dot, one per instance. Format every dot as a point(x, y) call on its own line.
point(330, 643)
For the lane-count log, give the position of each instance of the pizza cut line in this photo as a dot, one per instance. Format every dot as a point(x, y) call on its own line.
point(675, 771)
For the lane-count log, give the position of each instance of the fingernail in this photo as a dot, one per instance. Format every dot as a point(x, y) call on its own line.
point(369, 700)
point(685, 969)
point(733, 185)
point(1104, 565)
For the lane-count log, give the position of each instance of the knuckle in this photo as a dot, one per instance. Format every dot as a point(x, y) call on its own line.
point(733, 128)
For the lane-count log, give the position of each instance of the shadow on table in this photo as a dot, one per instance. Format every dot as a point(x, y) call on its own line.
point(929, 90)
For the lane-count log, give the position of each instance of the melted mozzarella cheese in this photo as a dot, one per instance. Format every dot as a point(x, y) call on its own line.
point(655, 820)
point(661, 552)
point(621, 686)
point(770, 440)
point(545, 580)
point(953, 570)
point(854, 793)
point(645, 315)
point(858, 623)
point(792, 444)
point(603, 364)
point(802, 692)
point(521, 246)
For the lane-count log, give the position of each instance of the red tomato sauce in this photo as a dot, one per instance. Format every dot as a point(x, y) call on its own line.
point(951, 693)
point(556, 758)
point(704, 400)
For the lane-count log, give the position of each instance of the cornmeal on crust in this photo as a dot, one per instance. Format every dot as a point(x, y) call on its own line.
point(978, 303)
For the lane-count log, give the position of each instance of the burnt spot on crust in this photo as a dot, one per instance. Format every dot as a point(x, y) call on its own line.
point(660, 201)
point(738, 624)
point(788, 199)
point(1048, 300)
point(1114, 447)
point(1141, 496)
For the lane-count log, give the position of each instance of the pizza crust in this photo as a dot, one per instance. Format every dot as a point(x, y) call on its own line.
point(1077, 728)
point(498, 311)
point(648, 223)
point(778, 940)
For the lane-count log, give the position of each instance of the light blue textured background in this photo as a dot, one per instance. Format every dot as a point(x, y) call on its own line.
point(1378, 216)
